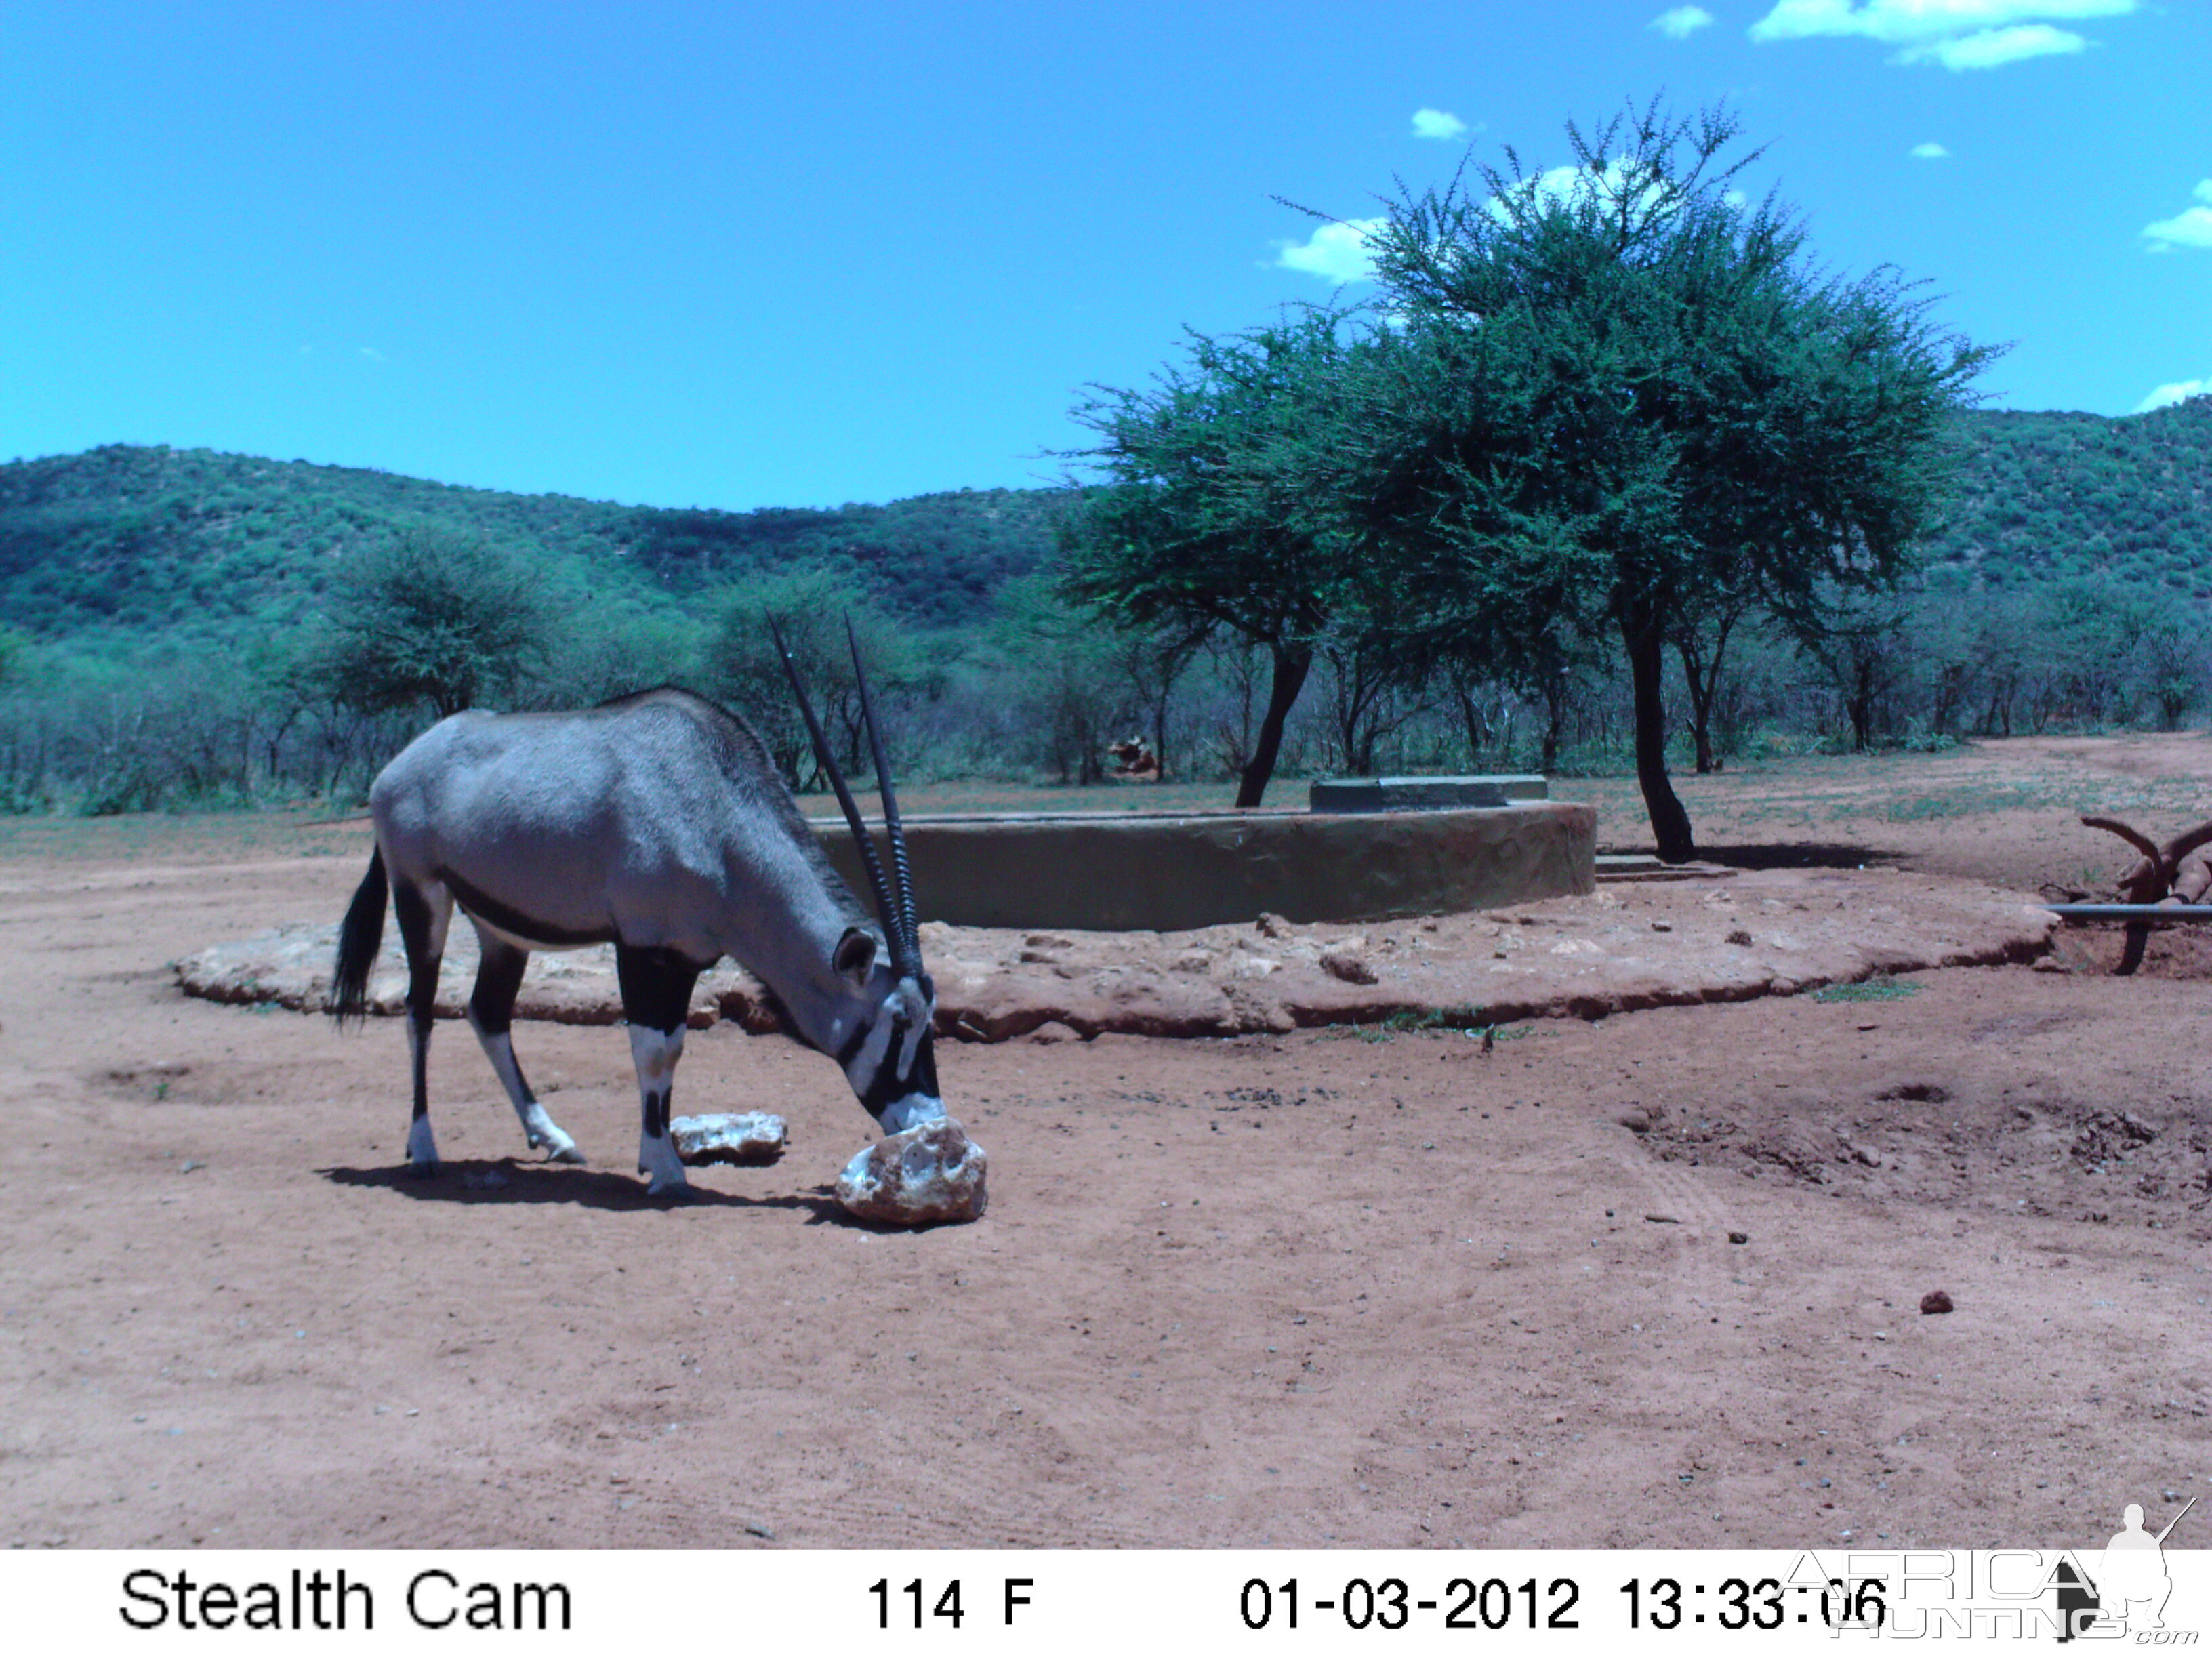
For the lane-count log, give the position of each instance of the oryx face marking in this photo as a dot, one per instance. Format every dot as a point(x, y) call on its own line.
point(890, 1060)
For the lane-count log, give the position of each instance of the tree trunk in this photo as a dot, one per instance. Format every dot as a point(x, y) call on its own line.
point(1702, 675)
point(1555, 721)
point(1646, 640)
point(1860, 705)
point(1293, 663)
point(1701, 707)
point(1478, 729)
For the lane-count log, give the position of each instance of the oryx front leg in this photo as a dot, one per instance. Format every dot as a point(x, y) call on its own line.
point(656, 1053)
point(656, 994)
point(491, 1013)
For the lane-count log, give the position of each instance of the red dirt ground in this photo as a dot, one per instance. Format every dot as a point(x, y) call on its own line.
point(1328, 1287)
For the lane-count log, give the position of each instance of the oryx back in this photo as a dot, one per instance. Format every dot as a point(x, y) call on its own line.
point(658, 821)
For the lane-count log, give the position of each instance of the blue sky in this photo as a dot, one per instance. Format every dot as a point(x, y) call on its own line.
point(691, 255)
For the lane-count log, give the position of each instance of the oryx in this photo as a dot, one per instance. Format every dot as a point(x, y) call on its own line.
point(656, 822)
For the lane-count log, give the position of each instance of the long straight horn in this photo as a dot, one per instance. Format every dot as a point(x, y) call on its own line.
point(867, 848)
point(901, 872)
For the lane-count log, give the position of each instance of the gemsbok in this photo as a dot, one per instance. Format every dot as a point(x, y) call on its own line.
point(658, 823)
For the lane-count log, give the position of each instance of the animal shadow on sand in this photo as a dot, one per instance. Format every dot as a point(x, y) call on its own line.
point(517, 1181)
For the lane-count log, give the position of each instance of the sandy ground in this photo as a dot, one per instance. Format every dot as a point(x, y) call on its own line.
point(1346, 1285)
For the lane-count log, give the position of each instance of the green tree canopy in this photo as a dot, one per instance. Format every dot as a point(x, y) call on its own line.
point(432, 617)
point(1223, 514)
point(811, 604)
point(1624, 396)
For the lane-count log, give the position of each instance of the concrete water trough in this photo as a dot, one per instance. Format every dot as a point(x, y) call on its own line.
point(1120, 870)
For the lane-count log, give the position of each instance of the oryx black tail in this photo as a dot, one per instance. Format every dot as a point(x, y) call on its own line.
point(359, 938)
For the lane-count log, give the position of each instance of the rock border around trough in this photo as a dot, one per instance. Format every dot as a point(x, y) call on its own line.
point(1627, 947)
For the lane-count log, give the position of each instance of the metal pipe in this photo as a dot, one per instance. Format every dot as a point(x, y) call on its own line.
point(2129, 912)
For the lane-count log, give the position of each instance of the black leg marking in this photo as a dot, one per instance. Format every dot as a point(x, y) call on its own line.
point(656, 987)
point(422, 916)
point(423, 955)
point(499, 980)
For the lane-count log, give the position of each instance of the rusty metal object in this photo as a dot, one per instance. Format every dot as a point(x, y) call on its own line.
point(2129, 912)
point(2165, 879)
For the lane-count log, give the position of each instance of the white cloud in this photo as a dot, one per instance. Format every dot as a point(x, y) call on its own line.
point(1337, 251)
point(1989, 48)
point(371, 353)
point(1564, 184)
point(1929, 152)
point(1960, 34)
point(1437, 124)
point(2173, 392)
point(1917, 22)
point(2190, 227)
point(1682, 21)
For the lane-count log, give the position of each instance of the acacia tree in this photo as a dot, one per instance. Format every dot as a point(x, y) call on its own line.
point(434, 618)
point(812, 604)
point(1220, 515)
point(1623, 390)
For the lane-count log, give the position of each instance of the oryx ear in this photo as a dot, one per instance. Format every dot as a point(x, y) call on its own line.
point(855, 955)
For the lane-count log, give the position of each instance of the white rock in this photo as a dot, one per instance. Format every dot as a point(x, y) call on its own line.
point(930, 1173)
point(729, 1138)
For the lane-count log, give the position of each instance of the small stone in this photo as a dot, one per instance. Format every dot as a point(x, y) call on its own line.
point(729, 1138)
point(1662, 926)
point(1348, 964)
point(1936, 1302)
point(191, 1165)
point(930, 1173)
point(1053, 1032)
point(1738, 936)
point(1272, 925)
point(2049, 965)
point(1739, 1238)
point(1634, 1118)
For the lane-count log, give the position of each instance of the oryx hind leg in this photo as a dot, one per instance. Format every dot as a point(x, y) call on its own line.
point(656, 994)
point(491, 1014)
point(423, 912)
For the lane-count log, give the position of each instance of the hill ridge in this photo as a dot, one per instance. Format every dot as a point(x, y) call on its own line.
point(147, 538)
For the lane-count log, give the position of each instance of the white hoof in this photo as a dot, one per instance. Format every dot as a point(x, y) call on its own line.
point(658, 1162)
point(543, 1133)
point(422, 1147)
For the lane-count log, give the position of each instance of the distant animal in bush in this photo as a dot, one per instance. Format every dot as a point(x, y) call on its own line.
point(1133, 761)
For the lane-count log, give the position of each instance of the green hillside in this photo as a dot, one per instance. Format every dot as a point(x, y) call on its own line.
point(2045, 496)
point(131, 540)
point(125, 541)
